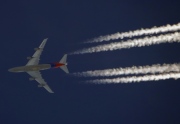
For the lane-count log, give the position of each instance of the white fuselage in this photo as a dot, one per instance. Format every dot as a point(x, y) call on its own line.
point(30, 68)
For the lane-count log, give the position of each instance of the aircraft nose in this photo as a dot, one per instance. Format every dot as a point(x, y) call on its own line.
point(10, 70)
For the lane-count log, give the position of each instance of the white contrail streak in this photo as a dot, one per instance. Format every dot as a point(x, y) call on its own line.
point(156, 68)
point(137, 78)
point(147, 41)
point(154, 30)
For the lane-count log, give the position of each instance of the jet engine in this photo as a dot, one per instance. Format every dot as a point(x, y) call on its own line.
point(36, 49)
point(31, 79)
point(41, 85)
point(29, 57)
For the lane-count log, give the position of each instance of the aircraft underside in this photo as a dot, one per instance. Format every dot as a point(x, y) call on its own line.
point(33, 67)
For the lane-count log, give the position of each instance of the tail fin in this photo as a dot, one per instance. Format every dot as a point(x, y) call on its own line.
point(63, 60)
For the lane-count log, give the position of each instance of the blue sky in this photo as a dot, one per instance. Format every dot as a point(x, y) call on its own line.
point(23, 26)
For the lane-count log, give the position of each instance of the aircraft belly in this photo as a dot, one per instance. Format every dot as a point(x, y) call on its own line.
point(37, 67)
point(44, 66)
point(17, 69)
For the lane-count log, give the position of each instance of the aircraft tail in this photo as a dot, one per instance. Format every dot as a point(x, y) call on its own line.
point(63, 61)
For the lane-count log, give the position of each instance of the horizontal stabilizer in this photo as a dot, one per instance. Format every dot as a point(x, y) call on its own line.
point(64, 68)
point(63, 60)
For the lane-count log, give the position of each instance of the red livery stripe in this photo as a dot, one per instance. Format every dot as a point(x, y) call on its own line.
point(56, 64)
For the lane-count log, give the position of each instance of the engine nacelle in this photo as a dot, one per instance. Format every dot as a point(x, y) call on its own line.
point(41, 85)
point(36, 49)
point(29, 57)
point(31, 79)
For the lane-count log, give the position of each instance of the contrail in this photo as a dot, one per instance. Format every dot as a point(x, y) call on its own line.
point(147, 41)
point(137, 78)
point(156, 68)
point(130, 34)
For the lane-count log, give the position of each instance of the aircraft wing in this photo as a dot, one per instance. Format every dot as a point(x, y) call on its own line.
point(37, 76)
point(34, 60)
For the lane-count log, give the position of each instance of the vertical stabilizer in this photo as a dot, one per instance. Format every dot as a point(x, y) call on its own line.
point(63, 61)
point(64, 68)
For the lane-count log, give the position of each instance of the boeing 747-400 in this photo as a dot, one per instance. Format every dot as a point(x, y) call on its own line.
point(33, 67)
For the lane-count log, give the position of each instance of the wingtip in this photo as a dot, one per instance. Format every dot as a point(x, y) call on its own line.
point(45, 39)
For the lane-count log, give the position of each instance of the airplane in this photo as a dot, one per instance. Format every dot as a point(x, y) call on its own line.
point(33, 67)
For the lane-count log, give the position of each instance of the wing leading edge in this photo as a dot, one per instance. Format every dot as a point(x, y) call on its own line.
point(35, 61)
point(36, 56)
point(37, 76)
